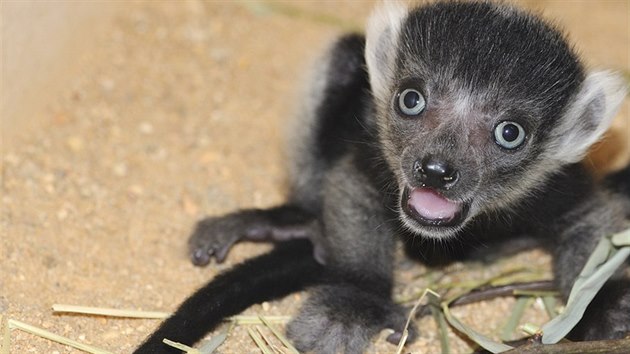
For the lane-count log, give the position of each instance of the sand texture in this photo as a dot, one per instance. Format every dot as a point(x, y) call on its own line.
point(179, 112)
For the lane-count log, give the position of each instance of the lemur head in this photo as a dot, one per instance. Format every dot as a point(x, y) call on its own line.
point(476, 105)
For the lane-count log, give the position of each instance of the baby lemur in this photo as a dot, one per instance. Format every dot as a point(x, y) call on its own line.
point(451, 124)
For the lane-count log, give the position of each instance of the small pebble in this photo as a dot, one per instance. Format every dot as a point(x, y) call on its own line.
point(75, 143)
point(120, 169)
point(49, 177)
point(243, 62)
point(60, 119)
point(219, 55)
point(189, 205)
point(135, 190)
point(146, 128)
point(110, 335)
point(107, 84)
point(46, 325)
point(62, 214)
point(209, 158)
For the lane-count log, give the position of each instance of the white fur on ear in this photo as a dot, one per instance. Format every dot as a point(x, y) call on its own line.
point(382, 34)
point(589, 116)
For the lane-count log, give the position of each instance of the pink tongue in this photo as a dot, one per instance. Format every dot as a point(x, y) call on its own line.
point(431, 205)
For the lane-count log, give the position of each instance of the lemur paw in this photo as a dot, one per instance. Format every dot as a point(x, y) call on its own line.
point(343, 319)
point(212, 237)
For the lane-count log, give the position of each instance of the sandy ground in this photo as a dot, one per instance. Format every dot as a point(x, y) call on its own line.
point(179, 113)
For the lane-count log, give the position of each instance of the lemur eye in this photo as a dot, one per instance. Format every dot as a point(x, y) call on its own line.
point(411, 102)
point(509, 135)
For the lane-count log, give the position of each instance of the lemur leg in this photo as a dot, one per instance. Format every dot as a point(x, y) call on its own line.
point(329, 119)
point(608, 316)
point(214, 236)
point(342, 316)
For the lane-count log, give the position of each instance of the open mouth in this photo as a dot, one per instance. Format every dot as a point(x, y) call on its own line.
point(429, 208)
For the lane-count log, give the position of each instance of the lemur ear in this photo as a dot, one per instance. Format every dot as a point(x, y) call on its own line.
point(588, 117)
point(382, 34)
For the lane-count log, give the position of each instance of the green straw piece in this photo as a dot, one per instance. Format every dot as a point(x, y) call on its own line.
point(6, 335)
point(285, 341)
point(260, 343)
point(180, 346)
point(522, 303)
point(14, 324)
point(99, 311)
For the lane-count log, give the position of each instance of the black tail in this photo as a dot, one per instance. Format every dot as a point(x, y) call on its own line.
point(288, 268)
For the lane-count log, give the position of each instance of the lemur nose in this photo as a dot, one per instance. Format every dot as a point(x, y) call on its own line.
point(435, 173)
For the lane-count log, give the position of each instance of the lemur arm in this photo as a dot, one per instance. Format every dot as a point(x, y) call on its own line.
point(215, 236)
point(359, 245)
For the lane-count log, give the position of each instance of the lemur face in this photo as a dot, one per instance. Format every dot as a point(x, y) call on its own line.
point(456, 152)
point(476, 105)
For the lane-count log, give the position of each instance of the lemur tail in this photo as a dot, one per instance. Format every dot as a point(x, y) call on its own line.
point(288, 268)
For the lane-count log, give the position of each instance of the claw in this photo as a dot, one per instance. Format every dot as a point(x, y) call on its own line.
point(221, 253)
point(200, 258)
point(395, 337)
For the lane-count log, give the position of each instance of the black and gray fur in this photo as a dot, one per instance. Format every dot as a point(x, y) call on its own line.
point(360, 161)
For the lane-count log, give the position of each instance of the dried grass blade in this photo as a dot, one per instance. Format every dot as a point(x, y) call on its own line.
point(285, 341)
point(209, 346)
point(412, 314)
point(6, 335)
point(259, 341)
point(445, 343)
point(266, 339)
point(535, 293)
point(550, 305)
point(254, 320)
point(485, 342)
point(518, 310)
point(278, 350)
point(621, 239)
point(180, 346)
point(530, 329)
point(109, 312)
point(55, 337)
point(99, 311)
point(523, 277)
point(510, 276)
